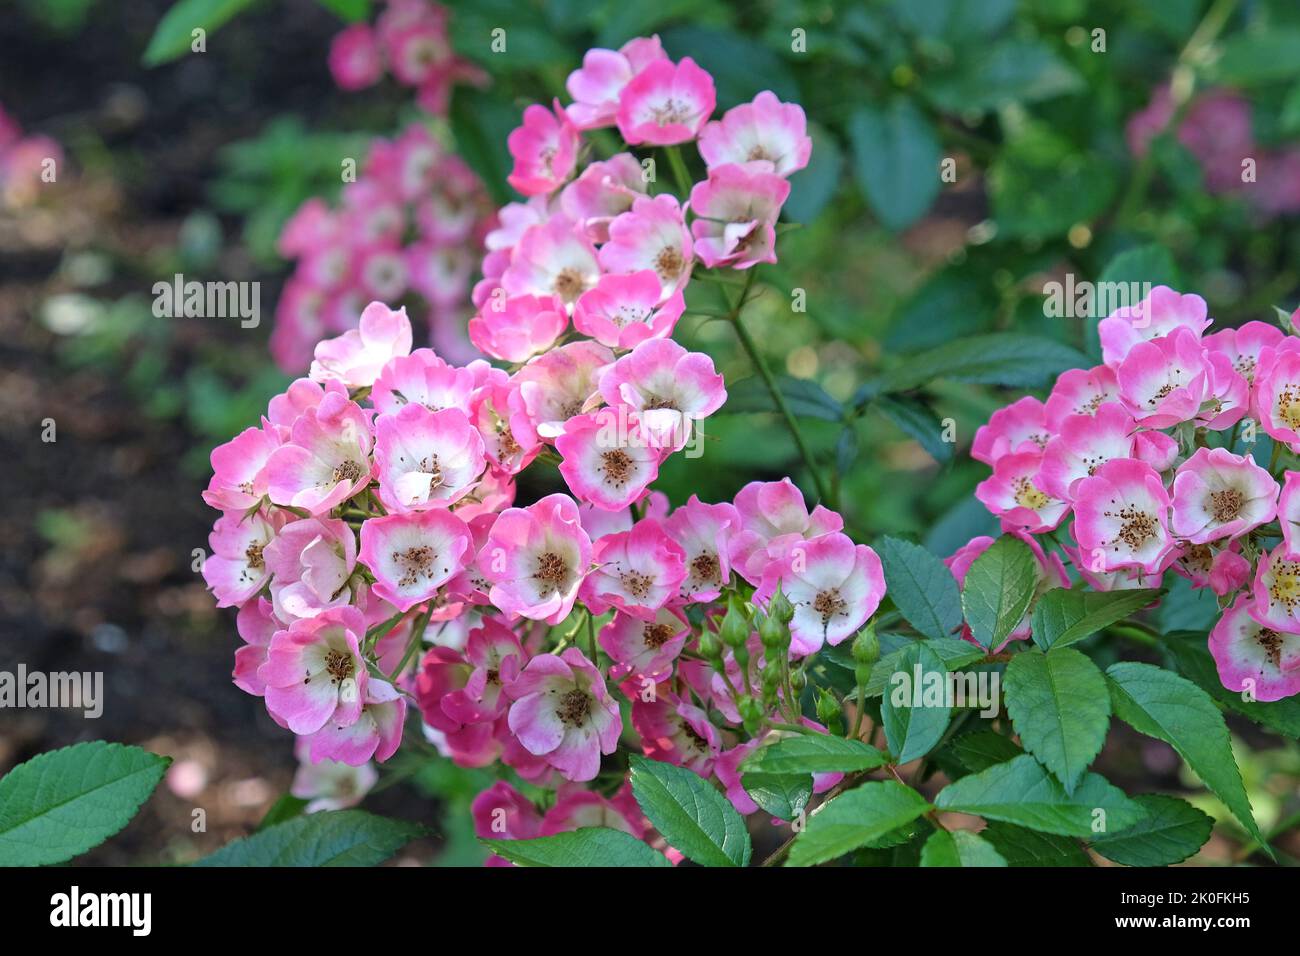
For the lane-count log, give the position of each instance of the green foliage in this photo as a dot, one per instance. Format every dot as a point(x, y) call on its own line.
point(998, 588)
point(331, 838)
point(913, 728)
point(590, 846)
point(1172, 831)
point(854, 819)
point(1163, 705)
point(1064, 616)
point(1058, 705)
point(1021, 792)
point(921, 587)
point(813, 753)
point(959, 848)
point(690, 813)
point(62, 803)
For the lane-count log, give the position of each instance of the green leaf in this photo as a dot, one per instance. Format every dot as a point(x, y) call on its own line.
point(1160, 704)
point(1059, 706)
point(1195, 663)
point(1260, 57)
point(981, 749)
point(804, 397)
point(173, 36)
point(62, 803)
point(1021, 847)
point(1172, 831)
point(998, 358)
point(955, 655)
point(998, 589)
point(959, 848)
point(814, 753)
point(1011, 71)
point(913, 729)
point(589, 846)
point(784, 795)
point(690, 813)
point(855, 819)
point(332, 838)
point(918, 421)
point(1064, 616)
point(921, 586)
point(1020, 791)
point(896, 161)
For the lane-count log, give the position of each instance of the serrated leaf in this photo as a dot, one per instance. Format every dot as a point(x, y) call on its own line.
point(896, 160)
point(814, 753)
point(1172, 831)
point(921, 587)
point(690, 813)
point(1160, 704)
point(1064, 616)
point(783, 795)
point(998, 589)
point(588, 846)
point(914, 724)
point(1021, 792)
point(173, 36)
point(959, 848)
point(332, 838)
point(1022, 847)
point(855, 819)
point(1060, 708)
point(62, 803)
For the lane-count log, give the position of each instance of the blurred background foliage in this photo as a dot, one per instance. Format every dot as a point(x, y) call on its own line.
point(924, 299)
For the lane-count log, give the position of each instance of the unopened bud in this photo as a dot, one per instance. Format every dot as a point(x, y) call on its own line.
point(866, 646)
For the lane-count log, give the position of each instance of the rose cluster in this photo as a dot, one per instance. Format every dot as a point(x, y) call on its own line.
point(409, 40)
point(410, 222)
point(1149, 458)
point(22, 161)
point(370, 533)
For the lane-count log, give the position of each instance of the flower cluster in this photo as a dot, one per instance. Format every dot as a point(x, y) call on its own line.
point(409, 40)
point(1218, 131)
point(1149, 457)
point(370, 533)
point(410, 222)
point(23, 161)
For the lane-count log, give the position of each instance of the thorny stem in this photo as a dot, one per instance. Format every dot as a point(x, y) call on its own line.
point(760, 364)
